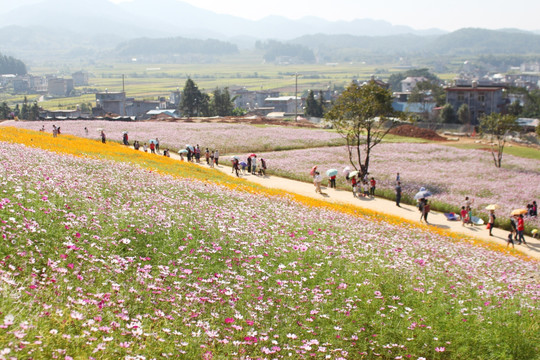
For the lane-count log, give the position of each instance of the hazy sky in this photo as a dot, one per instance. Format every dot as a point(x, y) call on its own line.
point(419, 14)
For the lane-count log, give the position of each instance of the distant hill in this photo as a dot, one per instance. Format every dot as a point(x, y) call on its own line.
point(67, 30)
point(473, 41)
point(462, 42)
point(179, 47)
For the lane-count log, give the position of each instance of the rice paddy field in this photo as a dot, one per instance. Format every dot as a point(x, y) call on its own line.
point(111, 253)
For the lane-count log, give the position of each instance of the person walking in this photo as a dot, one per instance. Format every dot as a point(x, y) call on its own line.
point(254, 166)
point(491, 221)
point(398, 194)
point(157, 145)
point(152, 147)
point(198, 154)
point(216, 157)
point(333, 181)
point(262, 168)
point(520, 229)
point(354, 187)
point(317, 179)
point(103, 137)
point(426, 209)
point(235, 167)
point(207, 156)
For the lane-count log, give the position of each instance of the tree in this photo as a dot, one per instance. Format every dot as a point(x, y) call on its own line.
point(34, 111)
point(362, 116)
point(321, 102)
point(86, 108)
point(464, 114)
point(221, 103)
point(428, 91)
point(5, 111)
point(448, 115)
point(515, 108)
point(498, 126)
point(191, 99)
point(25, 110)
point(313, 107)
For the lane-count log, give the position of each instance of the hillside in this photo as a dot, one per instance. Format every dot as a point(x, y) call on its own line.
point(179, 259)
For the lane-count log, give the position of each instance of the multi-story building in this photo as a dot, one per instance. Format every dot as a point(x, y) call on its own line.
point(80, 78)
point(59, 86)
point(482, 99)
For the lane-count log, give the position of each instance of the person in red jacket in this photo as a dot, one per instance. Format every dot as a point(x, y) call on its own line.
point(520, 229)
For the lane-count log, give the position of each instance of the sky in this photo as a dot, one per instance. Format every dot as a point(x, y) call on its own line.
point(419, 14)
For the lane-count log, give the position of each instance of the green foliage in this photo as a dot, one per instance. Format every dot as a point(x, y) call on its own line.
point(10, 65)
point(25, 110)
point(275, 49)
point(313, 107)
point(362, 116)
point(395, 79)
point(497, 126)
point(515, 108)
point(192, 99)
point(34, 112)
point(448, 115)
point(430, 90)
point(221, 103)
point(178, 45)
point(464, 114)
point(5, 111)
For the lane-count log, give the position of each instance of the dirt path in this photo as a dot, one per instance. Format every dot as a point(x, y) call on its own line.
point(383, 206)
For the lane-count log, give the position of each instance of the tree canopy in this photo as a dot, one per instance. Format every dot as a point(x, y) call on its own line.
point(10, 65)
point(192, 99)
point(362, 115)
point(497, 126)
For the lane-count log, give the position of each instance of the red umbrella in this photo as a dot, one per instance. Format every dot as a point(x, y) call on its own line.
point(312, 172)
point(252, 155)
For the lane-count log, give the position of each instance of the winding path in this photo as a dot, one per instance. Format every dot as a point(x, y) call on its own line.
point(384, 206)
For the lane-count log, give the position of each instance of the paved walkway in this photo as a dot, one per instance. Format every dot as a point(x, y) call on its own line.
point(384, 206)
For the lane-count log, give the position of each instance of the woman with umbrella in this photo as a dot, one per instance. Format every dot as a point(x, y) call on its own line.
point(332, 173)
point(423, 204)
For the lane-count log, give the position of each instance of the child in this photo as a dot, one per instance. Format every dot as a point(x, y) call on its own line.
point(510, 240)
point(360, 187)
point(366, 189)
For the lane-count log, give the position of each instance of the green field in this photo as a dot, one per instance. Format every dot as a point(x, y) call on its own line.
point(150, 81)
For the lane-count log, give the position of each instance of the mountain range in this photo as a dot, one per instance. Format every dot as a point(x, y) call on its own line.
point(53, 29)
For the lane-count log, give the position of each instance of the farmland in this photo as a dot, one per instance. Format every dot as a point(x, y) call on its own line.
point(112, 253)
point(150, 81)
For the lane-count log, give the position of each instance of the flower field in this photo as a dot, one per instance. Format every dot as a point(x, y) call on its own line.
point(105, 259)
point(227, 138)
point(451, 174)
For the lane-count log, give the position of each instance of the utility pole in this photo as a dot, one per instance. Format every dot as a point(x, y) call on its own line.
point(296, 75)
point(124, 93)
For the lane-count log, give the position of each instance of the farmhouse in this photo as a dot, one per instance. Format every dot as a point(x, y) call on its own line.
point(481, 99)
